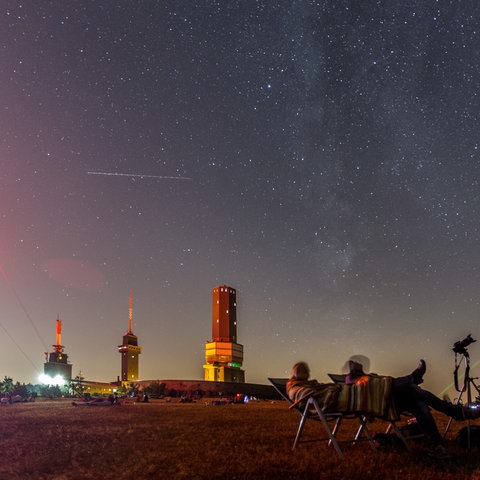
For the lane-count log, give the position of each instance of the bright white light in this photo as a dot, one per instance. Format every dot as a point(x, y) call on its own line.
point(48, 380)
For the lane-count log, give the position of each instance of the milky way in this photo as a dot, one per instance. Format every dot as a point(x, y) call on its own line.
point(332, 156)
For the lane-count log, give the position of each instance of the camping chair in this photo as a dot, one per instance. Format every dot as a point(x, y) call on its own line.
point(309, 409)
point(392, 424)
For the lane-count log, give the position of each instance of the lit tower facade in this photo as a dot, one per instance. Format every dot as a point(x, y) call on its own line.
point(57, 361)
point(129, 351)
point(223, 355)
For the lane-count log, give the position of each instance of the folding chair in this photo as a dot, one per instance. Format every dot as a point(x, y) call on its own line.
point(309, 409)
point(392, 424)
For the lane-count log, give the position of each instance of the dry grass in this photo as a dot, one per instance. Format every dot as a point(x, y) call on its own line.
point(54, 440)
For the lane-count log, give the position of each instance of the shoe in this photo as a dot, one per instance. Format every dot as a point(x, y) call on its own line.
point(470, 413)
point(440, 452)
point(419, 372)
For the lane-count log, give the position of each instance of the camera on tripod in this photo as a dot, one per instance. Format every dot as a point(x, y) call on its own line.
point(460, 347)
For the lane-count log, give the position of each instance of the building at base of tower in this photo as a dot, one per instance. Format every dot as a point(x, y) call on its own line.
point(223, 355)
point(57, 361)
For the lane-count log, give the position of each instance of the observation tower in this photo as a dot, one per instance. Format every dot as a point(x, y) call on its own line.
point(223, 355)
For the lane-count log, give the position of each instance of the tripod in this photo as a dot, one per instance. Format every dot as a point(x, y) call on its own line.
point(468, 381)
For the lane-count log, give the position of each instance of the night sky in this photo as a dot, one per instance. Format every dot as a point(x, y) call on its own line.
point(329, 155)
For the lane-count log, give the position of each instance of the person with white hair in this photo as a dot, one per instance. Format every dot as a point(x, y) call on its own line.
point(378, 396)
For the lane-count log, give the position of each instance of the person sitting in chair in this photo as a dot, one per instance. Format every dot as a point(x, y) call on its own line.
point(403, 394)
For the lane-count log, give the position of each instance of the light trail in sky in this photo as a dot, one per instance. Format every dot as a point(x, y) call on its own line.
point(461, 379)
point(133, 175)
point(20, 348)
point(7, 279)
point(17, 296)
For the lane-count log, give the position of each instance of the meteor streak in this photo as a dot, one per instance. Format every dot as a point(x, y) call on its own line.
point(133, 175)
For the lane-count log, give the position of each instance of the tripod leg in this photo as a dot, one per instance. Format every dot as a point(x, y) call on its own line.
point(459, 399)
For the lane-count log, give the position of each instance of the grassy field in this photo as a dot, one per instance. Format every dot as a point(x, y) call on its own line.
point(158, 440)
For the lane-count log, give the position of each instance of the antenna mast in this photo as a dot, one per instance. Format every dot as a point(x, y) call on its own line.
point(130, 314)
point(58, 347)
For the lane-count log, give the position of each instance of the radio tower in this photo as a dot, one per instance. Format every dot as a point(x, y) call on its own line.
point(57, 361)
point(129, 350)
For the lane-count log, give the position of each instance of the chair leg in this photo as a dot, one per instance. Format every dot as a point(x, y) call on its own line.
point(337, 426)
point(359, 432)
point(399, 434)
point(332, 440)
point(300, 428)
point(363, 429)
point(331, 433)
point(335, 429)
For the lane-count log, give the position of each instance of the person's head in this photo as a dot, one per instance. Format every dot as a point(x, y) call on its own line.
point(300, 371)
point(357, 363)
point(355, 367)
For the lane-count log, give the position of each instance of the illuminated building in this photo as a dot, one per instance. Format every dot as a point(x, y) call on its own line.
point(57, 361)
point(129, 351)
point(223, 355)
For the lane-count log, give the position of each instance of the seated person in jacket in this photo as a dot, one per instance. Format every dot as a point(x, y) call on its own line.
point(395, 394)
